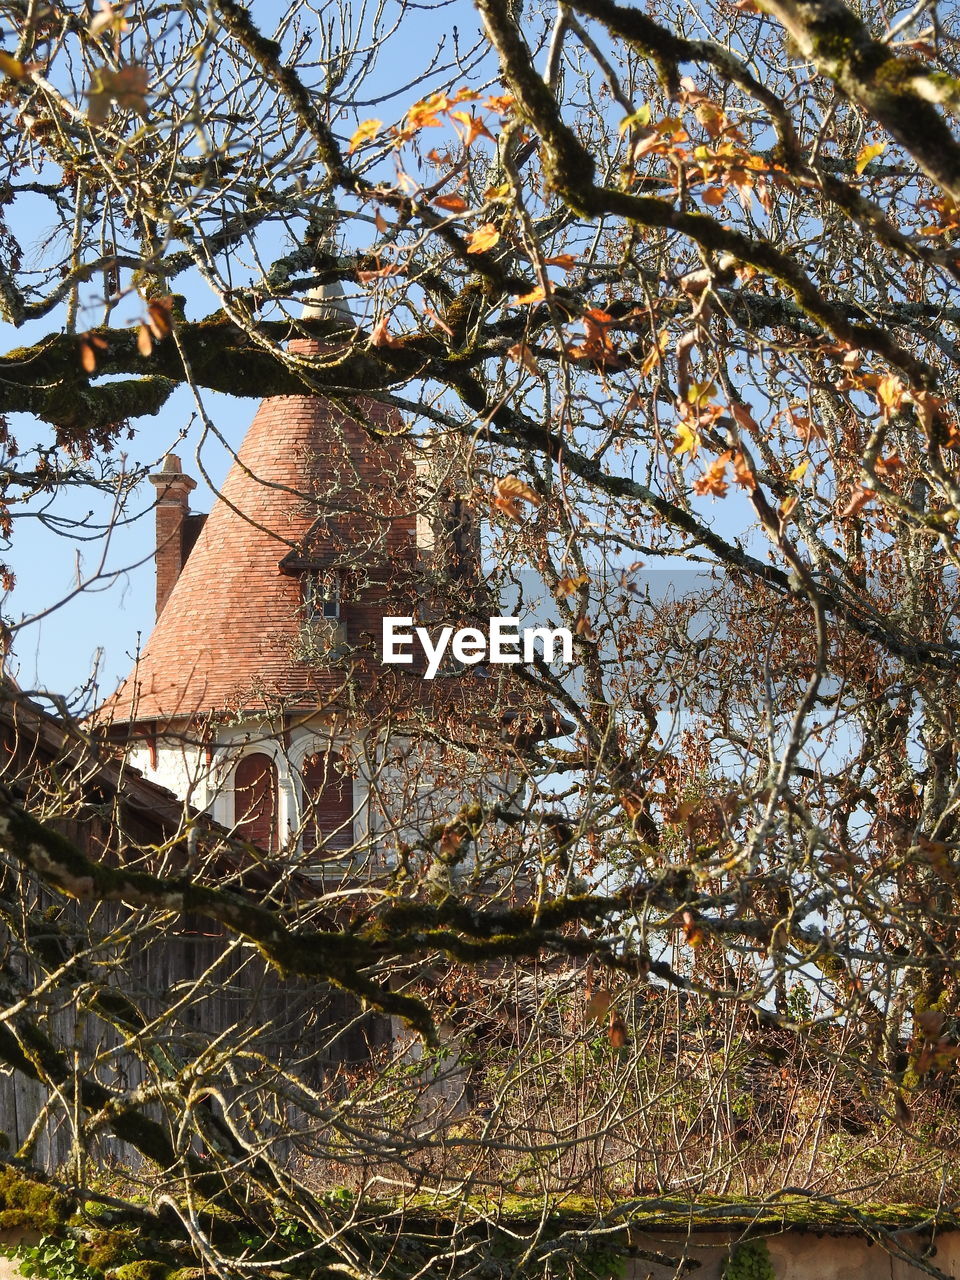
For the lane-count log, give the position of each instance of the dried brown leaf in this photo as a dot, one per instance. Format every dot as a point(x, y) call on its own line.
point(159, 317)
point(523, 355)
point(617, 1031)
point(514, 488)
point(597, 1006)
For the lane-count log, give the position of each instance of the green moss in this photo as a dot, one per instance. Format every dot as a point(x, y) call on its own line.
point(75, 1252)
point(109, 403)
point(833, 44)
point(144, 1269)
point(104, 1251)
point(945, 82)
point(27, 1204)
point(676, 1214)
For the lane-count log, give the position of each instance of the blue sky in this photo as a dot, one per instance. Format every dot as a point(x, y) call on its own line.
point(101, 624)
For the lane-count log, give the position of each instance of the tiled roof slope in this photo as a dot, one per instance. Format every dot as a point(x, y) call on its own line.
point(309, 484)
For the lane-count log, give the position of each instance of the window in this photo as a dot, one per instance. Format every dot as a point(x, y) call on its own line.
point(321, 595)
point(327, 805)
point(255, 801)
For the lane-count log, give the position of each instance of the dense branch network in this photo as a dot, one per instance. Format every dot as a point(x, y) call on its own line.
point(681, 290)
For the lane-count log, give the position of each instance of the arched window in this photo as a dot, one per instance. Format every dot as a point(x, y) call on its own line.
point(255, 800)
point(327, 805)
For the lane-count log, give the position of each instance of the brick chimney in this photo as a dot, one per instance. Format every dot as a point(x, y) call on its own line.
point(173, 493)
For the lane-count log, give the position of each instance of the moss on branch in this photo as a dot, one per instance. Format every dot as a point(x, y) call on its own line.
point(48, 379)
point(900, 92)
point(346, 958)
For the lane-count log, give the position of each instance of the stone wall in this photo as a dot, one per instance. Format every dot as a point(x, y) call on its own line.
point(797, 1255)
point(794, 1255)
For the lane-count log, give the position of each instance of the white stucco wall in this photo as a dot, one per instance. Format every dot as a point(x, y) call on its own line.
point(203, 776)
point(401, 788)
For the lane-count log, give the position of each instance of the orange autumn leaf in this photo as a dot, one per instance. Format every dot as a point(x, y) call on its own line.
point(483, 238)
point(890, 465)
point(584, 629)
point(90, 344)
point(597, 345)
point(127, 87)
point(144, 341)
point(473, 127)
point(528, 299)
point(438, 321)
point(713, 196)
point(713, 480)
point(425, 114)
point(88, 357)
point(653, 142)
point(454, 204)
point(929, 408)
point(742, 473)
point(391, 269)
point(890, 395)
point(130, 86)
point(508, 507)
point(566, 586)
point(565, 260)
point(380, 336)
point(658, 349)
point(711, 117)
point(858, 500)
point(743, 417)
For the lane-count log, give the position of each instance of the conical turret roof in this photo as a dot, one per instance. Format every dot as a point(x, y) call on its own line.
point(310, 490)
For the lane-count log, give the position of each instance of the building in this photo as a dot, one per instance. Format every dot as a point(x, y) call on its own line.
point(261, 697)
